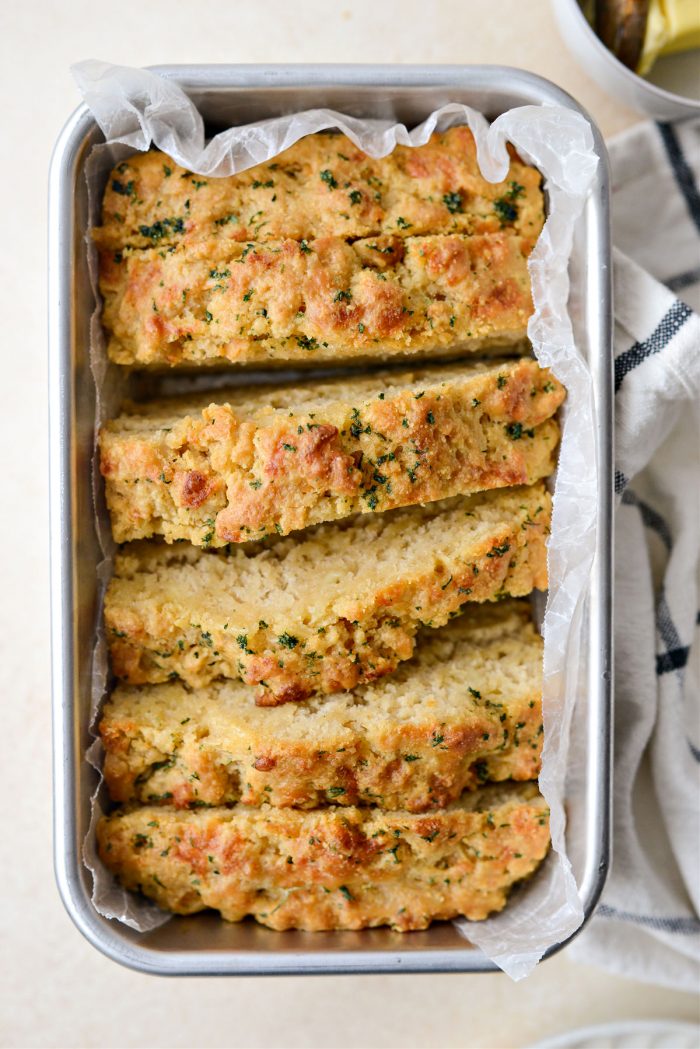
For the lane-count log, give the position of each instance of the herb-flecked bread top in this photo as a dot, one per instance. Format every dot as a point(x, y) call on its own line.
point(323, 254)
point(263, 460)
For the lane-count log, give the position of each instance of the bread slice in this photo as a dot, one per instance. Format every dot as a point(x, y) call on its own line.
point(236, 465)
point(323, 613)
point(321, 185)
point(465, 709)
point(324, 254)
point(332, 868)
point(214, 302)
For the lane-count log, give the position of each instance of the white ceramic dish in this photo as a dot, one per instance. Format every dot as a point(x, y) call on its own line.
point(672, 90)
point(628, 1034)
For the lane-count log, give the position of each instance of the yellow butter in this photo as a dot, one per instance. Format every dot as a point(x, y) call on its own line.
point(672, 25)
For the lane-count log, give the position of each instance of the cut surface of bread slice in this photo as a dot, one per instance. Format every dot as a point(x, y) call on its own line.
point(465, 709)
point(339, 606)
point(332, 868)
point(321, 185)
point(237, 465)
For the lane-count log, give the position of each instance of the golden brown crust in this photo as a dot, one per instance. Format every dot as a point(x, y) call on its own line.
point(332, 869)
point(336, 608)
point(279, 461)
point(321, 183)
point(466, 709)
point(322, 255)
point(325, 300)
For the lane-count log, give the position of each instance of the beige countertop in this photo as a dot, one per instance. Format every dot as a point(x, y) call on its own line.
point(56, 989)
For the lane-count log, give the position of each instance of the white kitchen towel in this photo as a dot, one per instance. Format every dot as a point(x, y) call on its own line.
point(647, 924)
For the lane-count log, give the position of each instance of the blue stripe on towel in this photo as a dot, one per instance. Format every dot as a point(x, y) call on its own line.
point(682, 171)
point(676, 655)
point(689, 926)
point(683, 280)
point(675, 659)
point(666, 627)
point(651, 518)
point(668, 326)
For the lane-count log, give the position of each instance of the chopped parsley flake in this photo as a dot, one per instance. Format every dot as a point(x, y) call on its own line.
point(499, 551)
point(123, 190)
point(327, 177)
point(288, 640)
point(162, 228)
point(453, 202)
point(506, 211)
point(505, 206)
point(306, 343)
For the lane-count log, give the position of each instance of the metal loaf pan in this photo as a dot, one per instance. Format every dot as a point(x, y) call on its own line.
point(228, 95)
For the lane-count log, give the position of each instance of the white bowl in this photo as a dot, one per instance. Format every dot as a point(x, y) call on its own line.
point(672, 90)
